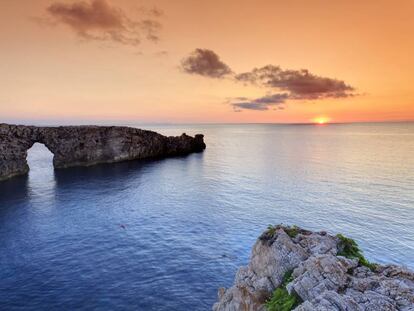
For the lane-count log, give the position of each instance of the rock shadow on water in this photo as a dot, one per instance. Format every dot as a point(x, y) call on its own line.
point(107, 175)
point(13, 190)
point(110, 174)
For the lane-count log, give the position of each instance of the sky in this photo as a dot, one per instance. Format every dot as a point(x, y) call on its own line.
point(186, 61)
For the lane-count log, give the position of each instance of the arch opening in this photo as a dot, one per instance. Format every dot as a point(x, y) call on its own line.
point(40, 160)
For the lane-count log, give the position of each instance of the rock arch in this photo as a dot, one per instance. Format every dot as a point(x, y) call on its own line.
point(88, 145)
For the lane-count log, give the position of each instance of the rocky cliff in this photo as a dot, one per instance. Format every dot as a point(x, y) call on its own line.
point(295, 269)
point(88, 145)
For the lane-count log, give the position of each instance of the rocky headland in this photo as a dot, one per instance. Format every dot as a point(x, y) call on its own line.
point(295, 269)
point(88, 145)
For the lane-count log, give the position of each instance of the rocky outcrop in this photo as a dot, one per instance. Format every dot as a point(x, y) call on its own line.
point(88, 145)
point(320, 278)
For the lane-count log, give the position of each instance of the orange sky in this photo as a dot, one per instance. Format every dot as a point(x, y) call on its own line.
point(51, 69)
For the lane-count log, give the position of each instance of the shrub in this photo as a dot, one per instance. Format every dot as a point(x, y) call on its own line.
point(292, 231)
point(281, 300)
point(350, 249)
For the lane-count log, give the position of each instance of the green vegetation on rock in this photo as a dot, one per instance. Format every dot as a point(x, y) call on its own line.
point(271, 230)
point(350, 249)
point(281, 300)
point(291, 231)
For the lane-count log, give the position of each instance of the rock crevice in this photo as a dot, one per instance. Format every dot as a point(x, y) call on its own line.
point(88, 145)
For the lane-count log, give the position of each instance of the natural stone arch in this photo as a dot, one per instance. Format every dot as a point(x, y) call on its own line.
point(88, 145)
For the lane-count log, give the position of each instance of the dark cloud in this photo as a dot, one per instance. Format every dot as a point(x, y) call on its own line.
point(249, 106)
point(300, 83)
point(291, 84)
point(261, 103)
point(274, 99)
point(98, 20)
point(206, 63)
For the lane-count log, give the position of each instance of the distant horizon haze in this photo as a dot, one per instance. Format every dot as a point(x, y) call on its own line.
point(76, 122)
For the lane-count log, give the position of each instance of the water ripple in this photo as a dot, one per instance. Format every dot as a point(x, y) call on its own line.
point(165, 235)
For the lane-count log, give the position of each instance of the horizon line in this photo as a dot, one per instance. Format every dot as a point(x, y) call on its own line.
point(52, 122)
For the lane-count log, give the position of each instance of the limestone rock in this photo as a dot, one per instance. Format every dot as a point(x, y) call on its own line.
point(322, 279)
point(88, 145)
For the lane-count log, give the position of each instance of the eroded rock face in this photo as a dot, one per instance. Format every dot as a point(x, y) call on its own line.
point(322, 279)
point(88, 145)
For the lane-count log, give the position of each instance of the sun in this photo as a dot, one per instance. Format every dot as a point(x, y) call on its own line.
point(320, 120)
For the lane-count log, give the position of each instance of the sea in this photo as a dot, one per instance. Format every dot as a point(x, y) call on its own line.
point(166, 234)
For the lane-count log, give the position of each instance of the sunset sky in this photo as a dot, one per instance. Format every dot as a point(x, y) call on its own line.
point(206, 61)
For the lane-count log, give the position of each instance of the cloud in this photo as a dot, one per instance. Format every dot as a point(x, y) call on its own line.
point(300, 83)
point(98, 20)
point(151, 28)
point(205, 63)
point(249, 106)
point(261, 103)
point(154, 11)
point(290, 84)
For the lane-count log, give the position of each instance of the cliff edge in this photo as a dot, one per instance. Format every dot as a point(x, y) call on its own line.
point(295, 269)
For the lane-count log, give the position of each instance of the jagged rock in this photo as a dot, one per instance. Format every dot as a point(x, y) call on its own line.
point(323, 280)
point(88, 145)
point(320, 273)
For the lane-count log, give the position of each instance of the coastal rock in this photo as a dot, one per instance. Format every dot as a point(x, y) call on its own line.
point(88, 145)
point(321, 278)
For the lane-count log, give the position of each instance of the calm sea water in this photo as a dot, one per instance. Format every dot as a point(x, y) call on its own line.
point(166, 234)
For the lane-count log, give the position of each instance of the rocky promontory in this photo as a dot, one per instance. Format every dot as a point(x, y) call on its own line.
point(88, 145)
point(295, 269)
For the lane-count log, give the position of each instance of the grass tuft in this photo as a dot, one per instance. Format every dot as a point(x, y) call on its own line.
point(350, 249)
point(291, 231)
point(271, 230)
point(281, 300)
